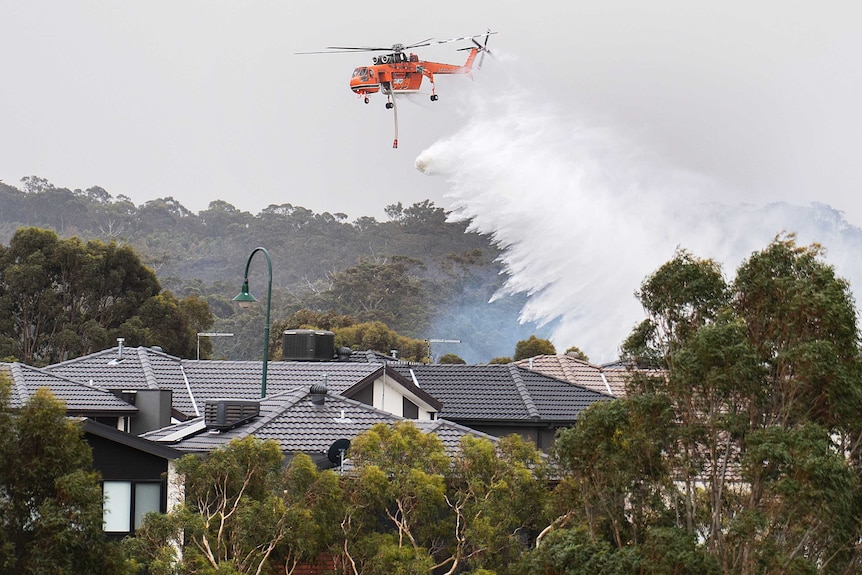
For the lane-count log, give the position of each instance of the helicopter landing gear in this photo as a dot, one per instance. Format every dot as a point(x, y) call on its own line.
point(366, 99)
point(433, 97)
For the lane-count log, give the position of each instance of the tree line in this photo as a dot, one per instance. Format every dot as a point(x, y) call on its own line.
point(418, 273)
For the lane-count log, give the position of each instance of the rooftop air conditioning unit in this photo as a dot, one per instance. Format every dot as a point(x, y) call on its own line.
point(308, 345)
point(222, 414)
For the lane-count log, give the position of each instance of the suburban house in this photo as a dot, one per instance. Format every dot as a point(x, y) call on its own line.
point(504, 399)
point(193, 382)
point(144, 409)
point(135, 472)
point(310, 420)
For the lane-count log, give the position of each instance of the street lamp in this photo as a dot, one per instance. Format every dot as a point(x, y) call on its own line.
point(245, 300)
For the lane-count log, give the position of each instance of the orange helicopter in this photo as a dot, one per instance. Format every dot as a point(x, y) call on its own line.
point(398, 72)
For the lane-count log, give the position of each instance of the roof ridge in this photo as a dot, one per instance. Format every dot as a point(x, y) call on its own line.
point(19, 381)
point(279, 410)
point(147, 368)
point(521, 386)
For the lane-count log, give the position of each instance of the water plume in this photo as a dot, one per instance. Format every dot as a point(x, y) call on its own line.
point(584, 215)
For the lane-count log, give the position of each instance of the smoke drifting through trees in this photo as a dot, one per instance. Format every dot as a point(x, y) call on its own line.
point(584, 215)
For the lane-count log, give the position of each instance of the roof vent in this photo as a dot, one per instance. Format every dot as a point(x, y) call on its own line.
point(344, 353)
point(318, 394)
point(224, 414)
point(308, 345)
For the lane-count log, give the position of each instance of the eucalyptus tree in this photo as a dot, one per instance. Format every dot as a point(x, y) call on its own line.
point(756, 455)
point(62, 298)
point(50, 497)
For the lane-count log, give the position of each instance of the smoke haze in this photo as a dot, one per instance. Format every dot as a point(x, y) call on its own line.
point(585, 214)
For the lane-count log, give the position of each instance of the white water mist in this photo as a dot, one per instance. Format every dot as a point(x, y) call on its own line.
point(584, 216)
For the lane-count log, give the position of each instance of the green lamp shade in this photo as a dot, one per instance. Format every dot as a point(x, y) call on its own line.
point(245, 299)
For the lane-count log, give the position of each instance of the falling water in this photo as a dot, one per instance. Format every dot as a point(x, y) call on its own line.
point(584, 216)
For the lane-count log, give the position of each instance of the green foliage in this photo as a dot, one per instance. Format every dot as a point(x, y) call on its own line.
point(50, 499)
point(500, 360)
point(64, 298)
point(532, 347)
point(243, 513)
point(738, 457)
point(576, 352)
point(455, 272)
point(466, 512)
point(384, 292)
point(450, 358)
point(378, 337)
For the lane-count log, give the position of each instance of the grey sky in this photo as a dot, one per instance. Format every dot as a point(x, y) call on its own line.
point(204, 100)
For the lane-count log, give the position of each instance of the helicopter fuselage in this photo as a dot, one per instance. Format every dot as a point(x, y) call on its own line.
point(398, 72)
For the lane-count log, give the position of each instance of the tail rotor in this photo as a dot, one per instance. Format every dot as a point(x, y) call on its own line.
point(483, 48)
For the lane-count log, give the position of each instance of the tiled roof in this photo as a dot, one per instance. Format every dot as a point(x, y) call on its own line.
point(194, 381)
point(502, 393)
point(610, 381)
point(292, 420)
point(80, 399)
point(136, 368)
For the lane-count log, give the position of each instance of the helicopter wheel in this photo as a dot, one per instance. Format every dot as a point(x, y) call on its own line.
point(433, 97)
point(388, 105)
point(366, 99)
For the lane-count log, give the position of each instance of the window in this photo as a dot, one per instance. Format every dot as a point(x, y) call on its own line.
point(409, 410)
point(126, 503)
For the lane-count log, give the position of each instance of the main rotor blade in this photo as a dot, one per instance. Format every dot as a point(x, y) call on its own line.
point(486, 34)
point(420, 43)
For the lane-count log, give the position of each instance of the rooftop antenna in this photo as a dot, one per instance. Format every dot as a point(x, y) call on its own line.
point(336, 452)
point(430, 341)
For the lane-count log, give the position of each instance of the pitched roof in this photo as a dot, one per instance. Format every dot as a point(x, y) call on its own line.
point(502, 393)
point(298, 425)
point(194, 381)
point(79, 398)
point(609, 380)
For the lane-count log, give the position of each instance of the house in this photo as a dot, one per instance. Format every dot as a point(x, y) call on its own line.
point(308, 420)
point(135, 472)
point(193, 382)
point(504, 399)
point(136, 475)
point(81, 399)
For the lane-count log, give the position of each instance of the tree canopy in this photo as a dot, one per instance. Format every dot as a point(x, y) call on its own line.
point(50, 498)
point(61, 298)
point(742, 451)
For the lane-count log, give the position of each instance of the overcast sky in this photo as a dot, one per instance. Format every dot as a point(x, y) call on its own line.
point(204, 100)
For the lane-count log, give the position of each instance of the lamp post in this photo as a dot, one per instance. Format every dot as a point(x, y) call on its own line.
point(245, 300)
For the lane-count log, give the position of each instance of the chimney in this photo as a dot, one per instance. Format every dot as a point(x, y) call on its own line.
point(120, 341)
point(393, 353)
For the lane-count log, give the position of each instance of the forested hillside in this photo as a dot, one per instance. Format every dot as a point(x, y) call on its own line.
point(421, 275)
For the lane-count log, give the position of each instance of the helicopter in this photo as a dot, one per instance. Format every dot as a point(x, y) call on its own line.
point(400, 71)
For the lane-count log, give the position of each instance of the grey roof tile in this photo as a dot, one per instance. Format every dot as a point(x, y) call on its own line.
point(298, 425)
point(502, 393)
point(80, 398)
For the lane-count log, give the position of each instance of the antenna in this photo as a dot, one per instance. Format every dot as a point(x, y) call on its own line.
point(336, 452)
point(430, 341)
